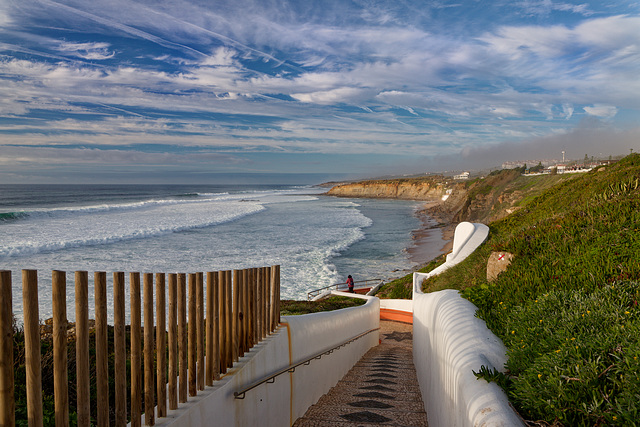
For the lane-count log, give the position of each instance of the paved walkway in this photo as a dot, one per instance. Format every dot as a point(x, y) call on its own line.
point(381, 389)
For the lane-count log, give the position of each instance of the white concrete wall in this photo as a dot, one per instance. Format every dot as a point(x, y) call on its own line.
point(397, 304)
point(449, 342)
point(282, 402)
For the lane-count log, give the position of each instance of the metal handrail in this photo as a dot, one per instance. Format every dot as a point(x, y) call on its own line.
point(337, 286)
point(291, 368)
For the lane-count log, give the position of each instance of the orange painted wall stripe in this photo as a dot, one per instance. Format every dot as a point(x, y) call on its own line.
point(396, 315)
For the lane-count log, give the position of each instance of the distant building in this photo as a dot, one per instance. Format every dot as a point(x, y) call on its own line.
point(512, 165)
point(463, 175)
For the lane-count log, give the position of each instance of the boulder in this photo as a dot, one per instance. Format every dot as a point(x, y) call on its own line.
point(498, 262)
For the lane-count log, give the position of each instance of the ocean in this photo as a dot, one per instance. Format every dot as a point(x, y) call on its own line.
point(317, 240)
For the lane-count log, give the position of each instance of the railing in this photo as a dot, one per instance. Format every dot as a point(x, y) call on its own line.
point(338, 286)
point(242, 307)
point(271, 378)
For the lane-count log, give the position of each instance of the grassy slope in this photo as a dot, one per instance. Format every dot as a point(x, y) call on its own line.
point(567, 306)
point(483, 200)
point(289, 307)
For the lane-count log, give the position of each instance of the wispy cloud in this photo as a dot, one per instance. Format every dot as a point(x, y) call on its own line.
point(390, 78)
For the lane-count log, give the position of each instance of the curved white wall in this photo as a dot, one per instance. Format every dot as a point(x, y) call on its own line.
point(282, 402)
point(449, 342)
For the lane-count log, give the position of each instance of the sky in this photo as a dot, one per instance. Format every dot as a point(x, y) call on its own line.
point(114, 91)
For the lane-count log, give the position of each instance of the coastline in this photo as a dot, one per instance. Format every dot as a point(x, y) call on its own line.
point(432, 239)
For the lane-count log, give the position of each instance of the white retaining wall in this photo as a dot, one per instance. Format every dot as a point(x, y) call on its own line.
point(288, 398)
point(449, 342)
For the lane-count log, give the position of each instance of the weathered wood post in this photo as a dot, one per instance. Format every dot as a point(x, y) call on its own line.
point(102, 341)
point(267, 301)
point(120, 355)
point(253, 307)
point(259, 305)
point(213, 353)
point(222, 331)
point(161, 345)
point(274, 311)
point(267, 304)
point(7, 402)
point(149, 351)
point(236, 314)
point(182, 336)
point(32, 347)
point(192, 334)
point(200, 330)
point(244, 290)
point(229, 331)
point(60, 367)
point(136, 350)
point(83, 396)
point(173, 341)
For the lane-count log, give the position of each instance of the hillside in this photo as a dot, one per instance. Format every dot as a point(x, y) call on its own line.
point(567, 306)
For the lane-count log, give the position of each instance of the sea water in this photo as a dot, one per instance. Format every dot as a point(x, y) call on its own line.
point(317, 240)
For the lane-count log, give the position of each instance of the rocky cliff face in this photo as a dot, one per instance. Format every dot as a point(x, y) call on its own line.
point(409, 189)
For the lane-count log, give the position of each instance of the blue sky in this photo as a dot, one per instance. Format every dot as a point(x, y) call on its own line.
point(182, 91)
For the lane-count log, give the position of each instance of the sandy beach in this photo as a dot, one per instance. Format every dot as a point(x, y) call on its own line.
point(432, 239)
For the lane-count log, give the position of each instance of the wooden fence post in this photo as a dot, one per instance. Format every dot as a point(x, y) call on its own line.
point(136, 343)
point(266, 303)
point(120, 355)
point(192, 334)
point(244, 290)
point(60, 367)
point(200, 330)
point(253, 307)
point(222, 331)
point(32, 347)
point(253, 318)
point(229, 338)
point(275, 293)
point(173, 341)
point(102, 342)
point(7, 402)
point(236, 315)
point(161, 345)
point(259, 301)
point(149, 351)
point(213, 363)
point(182, 336)
point(83, 396)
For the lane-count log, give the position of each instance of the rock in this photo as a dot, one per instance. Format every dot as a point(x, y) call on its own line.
point(498, 262)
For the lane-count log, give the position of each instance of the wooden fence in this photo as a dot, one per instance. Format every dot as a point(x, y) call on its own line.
point(205, 335)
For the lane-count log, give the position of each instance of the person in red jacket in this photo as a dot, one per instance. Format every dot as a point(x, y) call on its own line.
point(350, 283)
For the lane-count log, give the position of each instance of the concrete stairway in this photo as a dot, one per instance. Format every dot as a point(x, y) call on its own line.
point(381, 389)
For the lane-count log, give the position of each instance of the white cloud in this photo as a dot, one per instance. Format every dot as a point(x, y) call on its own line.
point(333, 96)
point(545, 7)
point(90, 51)
point(222, 56)
point(603, 111)
point(567, 109)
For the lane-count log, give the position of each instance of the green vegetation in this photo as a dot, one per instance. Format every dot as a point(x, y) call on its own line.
point(289, 307)
point(567, 307)
point(402, 288)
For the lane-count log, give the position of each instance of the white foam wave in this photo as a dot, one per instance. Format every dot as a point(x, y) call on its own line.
point(55, 230)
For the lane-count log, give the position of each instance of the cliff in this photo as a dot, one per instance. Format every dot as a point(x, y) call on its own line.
point(479, 200)
point(405, 189)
